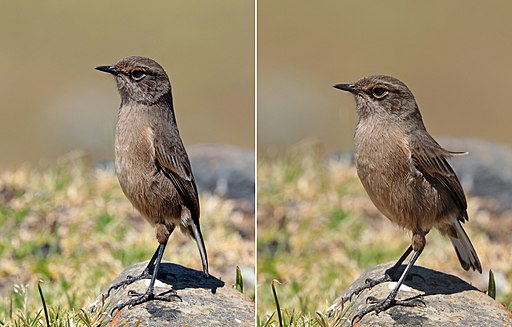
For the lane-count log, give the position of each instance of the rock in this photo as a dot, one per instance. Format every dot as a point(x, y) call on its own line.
point(345, 158)
point(204, 301)
point(224, 170)
point(486, 171)
point(449, 300)
point(227, 171)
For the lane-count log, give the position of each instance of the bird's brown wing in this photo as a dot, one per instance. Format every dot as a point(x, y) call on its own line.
point(430, 159)
point(172, 159)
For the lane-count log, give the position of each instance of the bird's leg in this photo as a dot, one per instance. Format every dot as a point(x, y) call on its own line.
point(382, 305)
point(168, 296)
point(131, 279)
point(388, 275)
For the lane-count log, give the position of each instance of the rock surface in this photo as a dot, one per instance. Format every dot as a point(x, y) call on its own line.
point(486, 171)
point(449, 300)
point(224, 170)
point(204, 301)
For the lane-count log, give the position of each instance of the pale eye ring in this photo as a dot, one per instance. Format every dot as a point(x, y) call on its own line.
point(379, 92)
point(137, 75)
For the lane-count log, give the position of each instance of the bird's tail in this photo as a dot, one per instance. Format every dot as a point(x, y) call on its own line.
point(198, 236)
point(465, 250)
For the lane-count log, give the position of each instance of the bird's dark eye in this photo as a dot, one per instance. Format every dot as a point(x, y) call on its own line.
point(379, 92)
point(137, 75)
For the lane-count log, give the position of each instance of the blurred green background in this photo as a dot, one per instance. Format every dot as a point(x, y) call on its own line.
point(53, 101)
point(454, 55)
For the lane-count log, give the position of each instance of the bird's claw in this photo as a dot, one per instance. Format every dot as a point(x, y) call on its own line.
point(139, 298)
point(370, 283)
point(128, 280)
point(382, 305)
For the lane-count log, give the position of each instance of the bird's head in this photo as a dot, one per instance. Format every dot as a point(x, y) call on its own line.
point(139, 79)
point(381, 95)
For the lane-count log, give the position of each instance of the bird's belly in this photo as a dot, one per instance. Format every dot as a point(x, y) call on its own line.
point(386, 177)
point(147, 189)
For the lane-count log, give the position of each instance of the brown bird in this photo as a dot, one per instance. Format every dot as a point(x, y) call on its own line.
point(406, 175)
point(152, 165)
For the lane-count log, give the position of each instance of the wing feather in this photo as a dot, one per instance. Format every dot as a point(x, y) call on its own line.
point(430, 159)
point(172, 160)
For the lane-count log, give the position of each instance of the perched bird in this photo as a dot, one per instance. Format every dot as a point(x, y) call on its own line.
point(152, 165)
point(406, 175)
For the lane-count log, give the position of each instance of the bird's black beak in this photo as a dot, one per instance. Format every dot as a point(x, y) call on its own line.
point(107, 69)
point(347, 87)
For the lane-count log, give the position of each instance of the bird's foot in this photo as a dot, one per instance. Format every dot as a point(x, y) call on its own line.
point(382, 305)
point(369, 283)
point(129, 280)
point(139, 298)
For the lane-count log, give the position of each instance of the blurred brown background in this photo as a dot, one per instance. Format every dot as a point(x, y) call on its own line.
point(53, 101)
point(454, 55)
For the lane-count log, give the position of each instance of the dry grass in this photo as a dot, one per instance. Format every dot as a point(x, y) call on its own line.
point(318, 231)
point(71, 227)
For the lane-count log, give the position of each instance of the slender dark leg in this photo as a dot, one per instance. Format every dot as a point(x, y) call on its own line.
point(149, 295)
point(382, 305)
point(131, 279)
point(388, 274)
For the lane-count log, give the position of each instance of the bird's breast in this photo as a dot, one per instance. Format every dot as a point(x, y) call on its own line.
point(383, 165)
point(133, 146)
point(382, 150)
point(133, 154)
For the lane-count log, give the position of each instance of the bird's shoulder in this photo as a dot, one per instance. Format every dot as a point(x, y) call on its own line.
point(428, 155)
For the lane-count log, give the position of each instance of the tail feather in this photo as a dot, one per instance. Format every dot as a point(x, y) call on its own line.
point(198, 236)
point(465, 250)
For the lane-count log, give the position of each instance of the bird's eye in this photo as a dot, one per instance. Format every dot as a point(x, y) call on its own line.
point(379, 92)
point(137, 75)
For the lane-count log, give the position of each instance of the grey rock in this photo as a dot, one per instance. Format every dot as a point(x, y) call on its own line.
point(345, 158)
point(105, 165)
point(449, 301)
point(204, 301)
point(486, 171)
point(224, 170)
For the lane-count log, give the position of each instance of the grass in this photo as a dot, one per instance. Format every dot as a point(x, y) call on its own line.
point(290, 317)
point(68, 228)
point(318, 231)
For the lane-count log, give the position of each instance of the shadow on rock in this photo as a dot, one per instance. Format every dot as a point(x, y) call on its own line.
point(432, 282)
point(180, 277)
